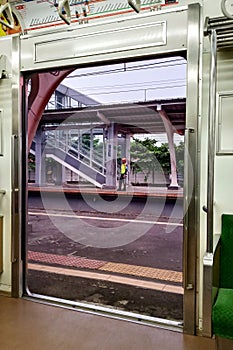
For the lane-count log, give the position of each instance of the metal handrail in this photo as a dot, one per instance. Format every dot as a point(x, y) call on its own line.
point(135, 4)
point(211, 139)
point(6, 8)
point(64, 11)
point(58, 143)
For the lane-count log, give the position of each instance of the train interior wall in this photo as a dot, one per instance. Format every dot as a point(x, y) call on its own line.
point(223, 150)
point(22, 322)
point(5, 168)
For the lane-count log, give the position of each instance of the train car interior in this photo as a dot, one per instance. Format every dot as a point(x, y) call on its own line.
point(116, 162)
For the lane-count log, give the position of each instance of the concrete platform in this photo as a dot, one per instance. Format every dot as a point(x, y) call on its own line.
point(134, 191)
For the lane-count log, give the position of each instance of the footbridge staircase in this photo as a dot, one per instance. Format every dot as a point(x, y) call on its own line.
point(83, 161)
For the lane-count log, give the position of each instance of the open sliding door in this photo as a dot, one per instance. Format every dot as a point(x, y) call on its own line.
point(136, 38)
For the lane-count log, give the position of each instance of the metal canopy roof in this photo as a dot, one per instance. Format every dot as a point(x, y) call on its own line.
point(140, 117)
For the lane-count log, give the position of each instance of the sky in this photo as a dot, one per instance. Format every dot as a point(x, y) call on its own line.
point(132, 82)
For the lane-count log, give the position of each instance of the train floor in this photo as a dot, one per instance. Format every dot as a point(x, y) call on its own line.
point(29, 325)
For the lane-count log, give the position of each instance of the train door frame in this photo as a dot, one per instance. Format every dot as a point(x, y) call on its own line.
point(31, 51)
point(10, 116)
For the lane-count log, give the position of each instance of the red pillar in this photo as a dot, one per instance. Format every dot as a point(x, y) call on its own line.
point(42, 87)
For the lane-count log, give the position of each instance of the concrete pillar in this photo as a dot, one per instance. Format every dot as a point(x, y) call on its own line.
point(104, 149)
point(58, 174)
point(170, 133)
point(63, 174)
point(111, 157)
point(121, 145)
point(43, 86)
point(59, 169)
point(127, 153)
point(91, 147)
point(40, 171)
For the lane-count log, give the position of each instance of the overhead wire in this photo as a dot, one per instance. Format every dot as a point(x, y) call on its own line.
point(144, 83)
point(136, 90)
point(154, 65)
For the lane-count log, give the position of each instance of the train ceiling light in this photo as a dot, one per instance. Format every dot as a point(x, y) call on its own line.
point(6, 17)
point(227, 8)
point(135, 4)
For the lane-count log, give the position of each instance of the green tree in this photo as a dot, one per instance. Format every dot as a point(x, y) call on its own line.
point(86, 141)
point(148, 157)
point(31, 162)
point(180, 159)
point(142, 154)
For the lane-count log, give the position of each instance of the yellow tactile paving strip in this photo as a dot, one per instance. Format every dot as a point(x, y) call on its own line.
point(161, 287)
point(121, 268)
point(110, 269)
point(141, 271)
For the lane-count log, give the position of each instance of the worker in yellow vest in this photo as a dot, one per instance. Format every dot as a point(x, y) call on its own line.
point(123, 175)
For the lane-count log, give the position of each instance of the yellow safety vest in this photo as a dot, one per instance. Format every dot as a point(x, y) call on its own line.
point(123, 168)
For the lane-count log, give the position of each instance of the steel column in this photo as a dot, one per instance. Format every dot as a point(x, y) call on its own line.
point(208, 258)
point(191, 170)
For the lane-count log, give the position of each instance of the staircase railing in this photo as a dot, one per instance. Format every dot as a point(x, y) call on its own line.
point(83, 153)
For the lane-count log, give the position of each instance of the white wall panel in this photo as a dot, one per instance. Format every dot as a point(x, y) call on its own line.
point(5, 164)
point(154, 33)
